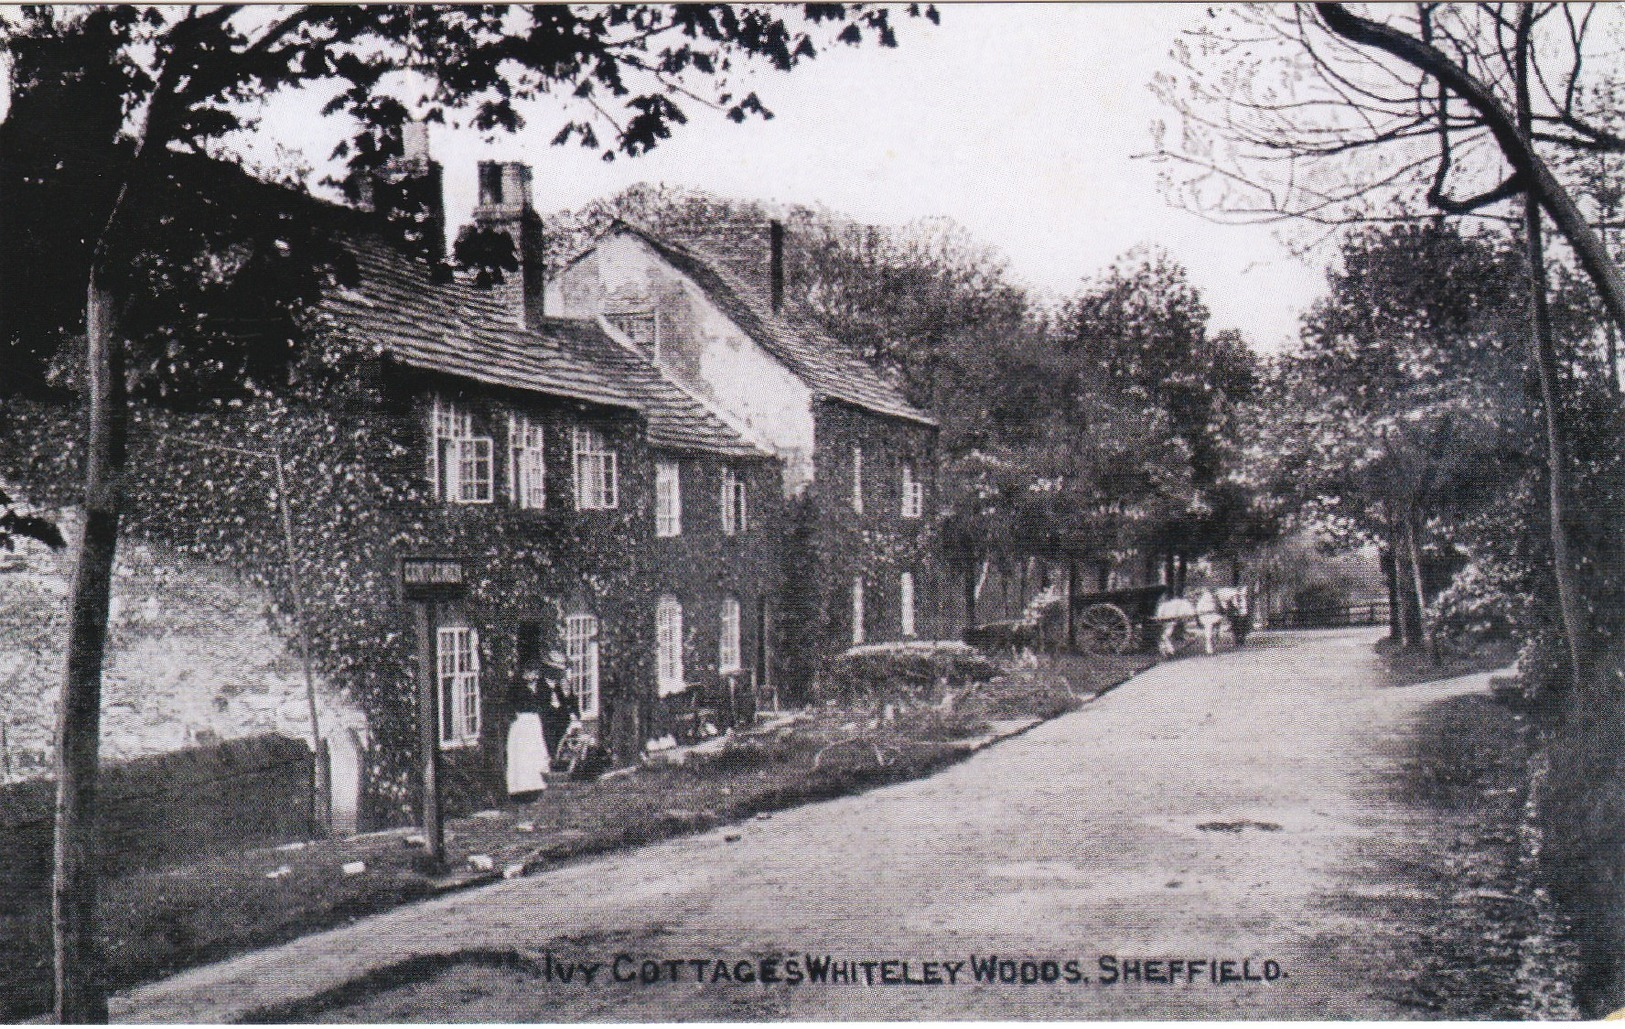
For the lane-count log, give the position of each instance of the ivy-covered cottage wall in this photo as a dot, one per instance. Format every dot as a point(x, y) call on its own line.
point(359, 495)
point(702, 566)
point(829, 544)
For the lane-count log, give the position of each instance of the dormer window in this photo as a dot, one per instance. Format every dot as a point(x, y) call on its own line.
point(459, 461)
point(641, 327)
point(913, 492)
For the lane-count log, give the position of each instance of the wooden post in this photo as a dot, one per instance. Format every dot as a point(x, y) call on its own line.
point(429, 731)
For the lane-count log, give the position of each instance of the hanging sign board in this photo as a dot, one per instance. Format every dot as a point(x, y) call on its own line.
point(431, 578)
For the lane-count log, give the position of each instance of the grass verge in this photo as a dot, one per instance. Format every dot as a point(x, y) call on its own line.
point(156, 923)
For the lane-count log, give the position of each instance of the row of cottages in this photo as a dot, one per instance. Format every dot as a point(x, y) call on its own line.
point(646, 466)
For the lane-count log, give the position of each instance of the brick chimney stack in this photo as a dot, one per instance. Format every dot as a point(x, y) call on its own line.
point(505, 206)
point(409, 191)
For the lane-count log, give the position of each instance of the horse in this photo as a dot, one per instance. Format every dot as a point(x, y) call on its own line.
point(1172, 613)
point(1211, 609)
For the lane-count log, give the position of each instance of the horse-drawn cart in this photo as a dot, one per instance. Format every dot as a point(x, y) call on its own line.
point(1115, 621)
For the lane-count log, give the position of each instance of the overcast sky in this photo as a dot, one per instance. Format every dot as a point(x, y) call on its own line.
point(1020, 121)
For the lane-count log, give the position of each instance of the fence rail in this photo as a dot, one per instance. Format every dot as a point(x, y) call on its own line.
point(1374, 613)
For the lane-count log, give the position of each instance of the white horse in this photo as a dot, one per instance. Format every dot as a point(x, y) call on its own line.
point(1209, 611)
point(1173, 613)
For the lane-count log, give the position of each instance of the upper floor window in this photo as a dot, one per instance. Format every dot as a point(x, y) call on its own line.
point(734, 517)
point(641, 327)
point(728, 641)
point(581, 661)
point(527, 463)
point(905, 591)
point(668, 497)
point(458, 658)
point(597, 487)
point(857, 479)
point(669, 646)
point(459, 461)
point(913, 492)
point(857, 611)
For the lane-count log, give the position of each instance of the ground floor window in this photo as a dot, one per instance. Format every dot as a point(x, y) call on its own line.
point(669, 645)
point(728, 645)
point(581, 661)
point(857, 611)
point(459, 663)
point(905, 589)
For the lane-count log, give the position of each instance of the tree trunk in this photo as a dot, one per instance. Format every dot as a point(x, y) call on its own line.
point(1428, 645)
point(80, 993)
point(971, 587)
point(1400, 595)
point(1543, 354)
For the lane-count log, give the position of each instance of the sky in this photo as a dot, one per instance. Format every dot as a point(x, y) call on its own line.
point(1019, 121)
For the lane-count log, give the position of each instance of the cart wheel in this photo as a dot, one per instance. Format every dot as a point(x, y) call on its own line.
point(1105, 629)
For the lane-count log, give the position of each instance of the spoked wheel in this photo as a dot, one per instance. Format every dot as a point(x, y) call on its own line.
point(1105, 629)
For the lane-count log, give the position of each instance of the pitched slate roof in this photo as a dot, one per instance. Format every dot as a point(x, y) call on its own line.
point(455, 329)
point(677, 419)
point(832, 370)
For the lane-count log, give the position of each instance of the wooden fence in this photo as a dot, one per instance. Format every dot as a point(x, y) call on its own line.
point(1373, 613)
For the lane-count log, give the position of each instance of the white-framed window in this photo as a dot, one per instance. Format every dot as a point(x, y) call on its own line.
point(581, 661)
point(669, 646)
point(458, 653)
point(597, 481)
point(905, 592)
point(857, 479)
point(527, 463)
point(913, 492)
point(641, 327)
point(857, 611)
point(668, 497)
point(728, 640)
point(459, 461)
point(734, 517)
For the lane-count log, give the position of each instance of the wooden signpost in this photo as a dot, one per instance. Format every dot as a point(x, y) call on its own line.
point(424, 582)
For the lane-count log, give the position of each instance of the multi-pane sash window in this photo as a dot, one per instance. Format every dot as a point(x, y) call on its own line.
point(857, 611)
point(581, 661)
point(734, 519)
point(459, 662)
point(668, 497)
point(669, 646)
point(728, 645)
point(527, 464)
point(597, 487)
point(913, 493)
point(459, 461)
point(857, 479)
point(906, 593)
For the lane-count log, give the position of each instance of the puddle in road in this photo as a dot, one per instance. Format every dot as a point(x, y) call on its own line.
point(1239, 826)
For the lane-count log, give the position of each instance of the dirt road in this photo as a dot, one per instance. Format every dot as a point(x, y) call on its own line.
point(1246, 809)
